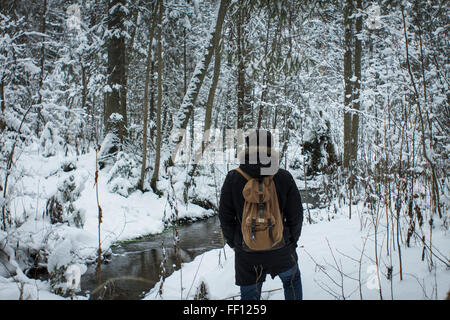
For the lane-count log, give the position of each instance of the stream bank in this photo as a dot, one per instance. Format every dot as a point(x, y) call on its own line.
point(134, 266)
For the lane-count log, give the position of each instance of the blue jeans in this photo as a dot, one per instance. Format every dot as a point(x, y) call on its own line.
point(292, 285)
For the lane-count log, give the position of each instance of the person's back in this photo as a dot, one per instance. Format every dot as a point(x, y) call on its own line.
point(257, 161)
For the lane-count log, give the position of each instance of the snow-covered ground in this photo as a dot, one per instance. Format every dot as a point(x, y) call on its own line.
point(329, 255)
point(65, 244)
point(330, 250)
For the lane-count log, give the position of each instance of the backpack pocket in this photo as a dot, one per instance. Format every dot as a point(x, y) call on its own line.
point(261, 233)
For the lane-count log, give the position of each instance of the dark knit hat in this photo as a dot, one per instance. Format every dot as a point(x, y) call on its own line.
point(259, 152)
point(259, 138)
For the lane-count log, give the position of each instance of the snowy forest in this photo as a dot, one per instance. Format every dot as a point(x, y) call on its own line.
point(118, 122)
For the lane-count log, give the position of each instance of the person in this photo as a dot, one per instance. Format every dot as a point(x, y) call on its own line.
point(251, 268)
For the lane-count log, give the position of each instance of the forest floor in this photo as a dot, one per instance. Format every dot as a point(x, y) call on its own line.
point(336, 255)
point(36, 243)
point(336, 261)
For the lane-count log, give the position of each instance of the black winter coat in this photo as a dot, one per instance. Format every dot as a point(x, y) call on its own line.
point(252, 267)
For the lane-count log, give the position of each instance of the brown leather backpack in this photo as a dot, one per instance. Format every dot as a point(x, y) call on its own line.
point(262, 222)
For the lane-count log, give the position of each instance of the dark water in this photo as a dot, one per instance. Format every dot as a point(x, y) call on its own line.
point(139, 262)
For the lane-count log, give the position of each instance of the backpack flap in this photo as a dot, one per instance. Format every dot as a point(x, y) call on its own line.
point(253, 191)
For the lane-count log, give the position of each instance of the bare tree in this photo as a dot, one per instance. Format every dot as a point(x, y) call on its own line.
point(347, 80)
point(357, 82)
point(146, 93)
point(116, 98)
point(159, 102)
point(181, 119)
point(208, 113)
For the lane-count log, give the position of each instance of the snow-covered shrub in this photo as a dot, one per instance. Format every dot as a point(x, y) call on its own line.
point(70, 191)
point(108, 150)
point(124, 175)
point(50, 140)
point(203, 190)
point(8, 264)
point(64, 272)
point(60, 207)
point(75, 133)
point(319, 149)
point(54, 210)
point(296, 164)
point(62, 282)
point(202, 292)
point(20, 258)
point(115, 119)
point(68, 165)
point(58, 281)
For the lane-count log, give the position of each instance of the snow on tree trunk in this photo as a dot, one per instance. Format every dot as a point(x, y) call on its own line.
point(116, 97)
point(181, 119)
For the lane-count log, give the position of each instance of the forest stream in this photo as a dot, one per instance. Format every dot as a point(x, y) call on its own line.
point(134, 267)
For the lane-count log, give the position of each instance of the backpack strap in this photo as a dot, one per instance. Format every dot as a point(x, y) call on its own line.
point(245, 175)
point(248, 177)
point(260, 203)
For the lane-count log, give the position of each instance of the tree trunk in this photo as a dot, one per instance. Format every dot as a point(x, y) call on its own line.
point(357, 83)
point(264, 80)
point(116, 98)
point(275, 118)
point(152, 99)
point(184, 62)
point(43, 30)
point(212, 92)
point(347, 82)
point(181, 119)
point(240, 71)
point(207, 126)
point(146, 91)
point(84, 90)
point(2, 105)
point(159, 103)
point(244, 109)
point(42, 66)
